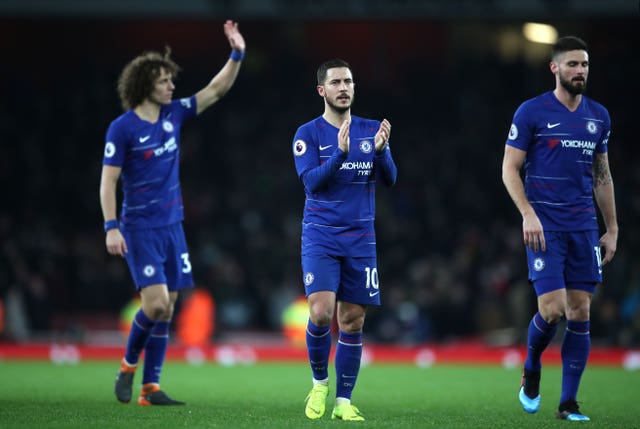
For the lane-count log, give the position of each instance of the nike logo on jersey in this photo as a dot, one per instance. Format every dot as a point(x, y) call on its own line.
point(324, 147)
point(552, 125)
point(372, 294)
point(144, 139)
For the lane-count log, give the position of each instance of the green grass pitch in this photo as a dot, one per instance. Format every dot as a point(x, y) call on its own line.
point(271, 395)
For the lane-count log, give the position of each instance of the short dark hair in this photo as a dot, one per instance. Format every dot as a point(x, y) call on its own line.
point(568, 43)
point(331, 64)
point(139, 75)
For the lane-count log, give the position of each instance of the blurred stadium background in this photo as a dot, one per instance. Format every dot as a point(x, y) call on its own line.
point(448, 75)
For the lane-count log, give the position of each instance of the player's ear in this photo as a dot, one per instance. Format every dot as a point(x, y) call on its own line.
point(320, 89)
point(553, 66)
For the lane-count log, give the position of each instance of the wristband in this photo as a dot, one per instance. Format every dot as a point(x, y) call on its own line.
point(110, 224)
point(236, 55)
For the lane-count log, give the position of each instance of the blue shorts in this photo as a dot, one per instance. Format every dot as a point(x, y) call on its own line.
point(159, 256)
point(571, 258)
point(353, 280)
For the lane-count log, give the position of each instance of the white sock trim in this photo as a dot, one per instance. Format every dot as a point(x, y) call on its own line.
point(340, 400)
point(324, 382)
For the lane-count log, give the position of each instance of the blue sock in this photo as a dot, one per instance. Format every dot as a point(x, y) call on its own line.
point(138, 336)
point(575, 352)
point(154, 353)
point(348, 356)
point(540, 335)
point(319, 347)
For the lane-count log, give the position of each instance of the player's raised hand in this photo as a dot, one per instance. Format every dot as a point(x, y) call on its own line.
point(233, 34)
point(382, 136)
point(343, 136)
point(116, 244)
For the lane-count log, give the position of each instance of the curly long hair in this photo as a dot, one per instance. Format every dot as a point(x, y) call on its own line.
point(139, 75)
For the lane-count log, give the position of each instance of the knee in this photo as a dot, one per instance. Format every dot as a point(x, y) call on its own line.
point(352, 326)
point(351, 322)
point(578, 305)
point(158, 310)
point(579, 313)
point(552, 313)
point(168, 313)
point(321, 314)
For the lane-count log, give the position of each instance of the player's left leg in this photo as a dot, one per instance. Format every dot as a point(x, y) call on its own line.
point(347, 359)
point(160, 302)
point(575, 349)
point(359, 288)
point(583, 274)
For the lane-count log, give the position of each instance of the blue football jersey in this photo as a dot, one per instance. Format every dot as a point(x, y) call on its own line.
point(149, 155)
point(560, 147)
point(339, 215)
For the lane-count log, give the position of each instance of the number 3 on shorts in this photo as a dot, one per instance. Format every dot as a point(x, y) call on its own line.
point(186, 268)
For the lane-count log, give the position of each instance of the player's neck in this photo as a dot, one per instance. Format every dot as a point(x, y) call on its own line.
point(335, 118)
point(568, 100)
point(148, 111)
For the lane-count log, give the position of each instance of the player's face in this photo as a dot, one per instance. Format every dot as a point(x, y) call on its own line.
point(572, 69)
point(337, 90)
point(163, 88)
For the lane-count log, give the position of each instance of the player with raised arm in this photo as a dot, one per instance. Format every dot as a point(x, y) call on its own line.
point(142, 149)
point(339, 158)
point(561, 138)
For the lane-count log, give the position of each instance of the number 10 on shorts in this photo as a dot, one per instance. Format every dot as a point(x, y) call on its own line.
point(372, 277)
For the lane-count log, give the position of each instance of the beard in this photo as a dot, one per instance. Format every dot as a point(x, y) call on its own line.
point(574, 87)
point(339, 108)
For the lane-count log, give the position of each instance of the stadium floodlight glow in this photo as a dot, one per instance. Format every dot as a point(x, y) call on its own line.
point(540, 33)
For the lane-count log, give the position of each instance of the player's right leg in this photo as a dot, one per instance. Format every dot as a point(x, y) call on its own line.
point(546, 274)
point(145, 269)
point(138, 335)
point(318, 340)
point(529, 394)
point(160, 301)
point(320, 277)
point(316, 400)
point(124, 381)
point(539, 336)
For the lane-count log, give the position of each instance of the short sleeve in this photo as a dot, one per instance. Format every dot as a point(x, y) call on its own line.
point(522, 129)
point(115, 146)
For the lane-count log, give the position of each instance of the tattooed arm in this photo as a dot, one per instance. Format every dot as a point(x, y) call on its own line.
point(605, 198)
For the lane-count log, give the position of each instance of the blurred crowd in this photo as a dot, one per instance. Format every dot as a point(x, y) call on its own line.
point(451, 258)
